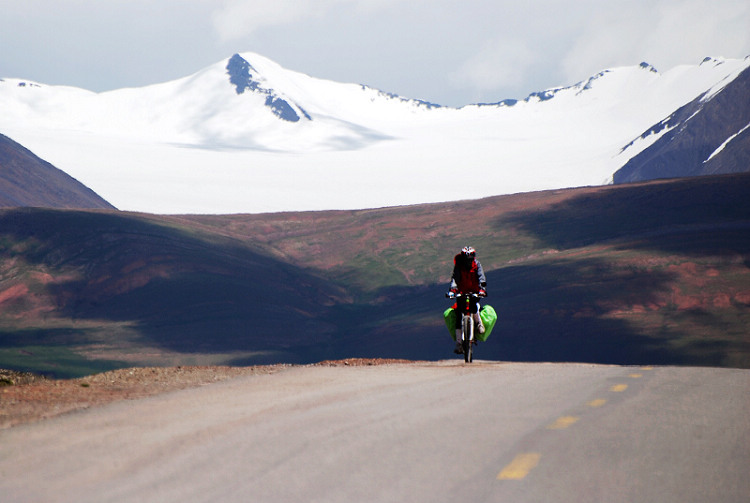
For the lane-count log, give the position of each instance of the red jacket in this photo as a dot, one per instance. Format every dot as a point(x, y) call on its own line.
point(469, 279)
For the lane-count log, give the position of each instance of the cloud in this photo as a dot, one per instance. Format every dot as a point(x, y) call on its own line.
point(689, 27)
point(239, 18)
point(443, 51)
point(665, 33)
point(499, 63)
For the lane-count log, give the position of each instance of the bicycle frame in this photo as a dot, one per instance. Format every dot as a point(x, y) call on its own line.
point(467, 305)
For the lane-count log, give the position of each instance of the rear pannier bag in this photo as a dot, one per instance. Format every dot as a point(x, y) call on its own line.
point(487, 313)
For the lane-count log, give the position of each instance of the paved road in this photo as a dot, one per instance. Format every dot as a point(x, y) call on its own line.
point(425, 432)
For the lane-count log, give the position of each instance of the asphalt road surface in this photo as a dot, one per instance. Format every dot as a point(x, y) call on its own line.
point(434, 432)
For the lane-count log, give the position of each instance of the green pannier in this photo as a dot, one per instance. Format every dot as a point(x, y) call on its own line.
point(451, 321)
point(489, 318)
point(487, 313)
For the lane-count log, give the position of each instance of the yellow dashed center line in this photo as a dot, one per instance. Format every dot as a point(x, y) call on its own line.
point(563, 422)
point(520, 466)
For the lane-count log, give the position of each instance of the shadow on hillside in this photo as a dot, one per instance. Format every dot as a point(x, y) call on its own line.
point(567, 309)
point(561, 311)
point(194, 292)
point(181, 290)
point(557, 312)
point(675, 216)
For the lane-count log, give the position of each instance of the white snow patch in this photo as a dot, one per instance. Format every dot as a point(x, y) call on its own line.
point(726, 142)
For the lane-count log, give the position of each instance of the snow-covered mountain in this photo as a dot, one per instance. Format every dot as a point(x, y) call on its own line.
point(708, 136)
point(245, 135)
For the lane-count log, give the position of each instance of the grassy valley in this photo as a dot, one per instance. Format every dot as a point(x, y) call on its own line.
point(653, 273)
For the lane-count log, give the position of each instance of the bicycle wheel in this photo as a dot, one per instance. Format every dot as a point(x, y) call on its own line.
point(466, 328)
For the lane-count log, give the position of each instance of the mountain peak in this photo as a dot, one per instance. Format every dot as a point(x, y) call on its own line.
point(240, 77)
point(715, 61)
point(243, 76)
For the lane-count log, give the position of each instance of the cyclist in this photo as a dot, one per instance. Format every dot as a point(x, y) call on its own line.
point(468, 277)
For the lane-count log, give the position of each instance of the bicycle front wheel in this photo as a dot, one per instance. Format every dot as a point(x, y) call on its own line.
point(467, 325)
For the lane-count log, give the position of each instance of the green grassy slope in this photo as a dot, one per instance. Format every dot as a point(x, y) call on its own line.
point(647, 273)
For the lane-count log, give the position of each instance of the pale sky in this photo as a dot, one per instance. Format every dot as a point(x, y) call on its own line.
point(448, 52)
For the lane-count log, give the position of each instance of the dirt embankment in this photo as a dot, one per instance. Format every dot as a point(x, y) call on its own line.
point(26, 397)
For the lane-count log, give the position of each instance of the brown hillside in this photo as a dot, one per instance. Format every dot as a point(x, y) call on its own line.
point(647, 273)
point(27, 180)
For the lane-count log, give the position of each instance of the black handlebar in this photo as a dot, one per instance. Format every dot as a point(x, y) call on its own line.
point(453, 295)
